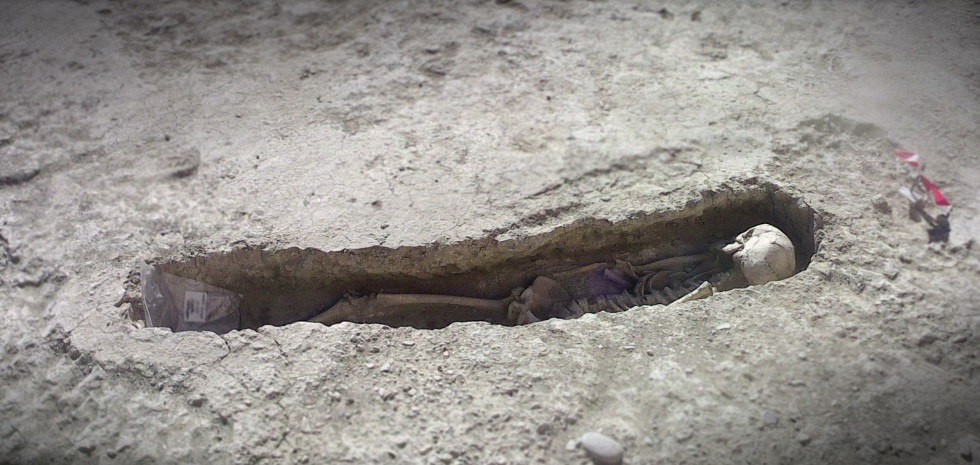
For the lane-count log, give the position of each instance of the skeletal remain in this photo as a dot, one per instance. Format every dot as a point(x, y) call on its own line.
point(543, 293)
point(759, 255)
point(394, 309)
point(702, 292)
point(763, 254)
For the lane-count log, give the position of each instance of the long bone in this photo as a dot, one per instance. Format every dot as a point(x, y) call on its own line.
point(404, 309)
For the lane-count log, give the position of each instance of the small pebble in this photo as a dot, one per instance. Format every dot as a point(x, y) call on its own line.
point(890, 270)
point(571, 444)
point(408, 343)
point(803, 438)
point(968, 447)
point(881, 205)
point(305, 426)
point(603, 449)
point(723, 326)
point(926, 339)
point(867, 454)
point(770, 418)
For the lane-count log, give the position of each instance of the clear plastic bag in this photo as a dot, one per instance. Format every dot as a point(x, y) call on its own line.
point(183, 304)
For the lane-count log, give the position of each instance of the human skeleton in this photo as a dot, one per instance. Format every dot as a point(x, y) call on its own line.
point(759, 255)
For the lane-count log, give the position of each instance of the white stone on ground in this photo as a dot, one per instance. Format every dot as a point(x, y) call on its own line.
point(603, 449)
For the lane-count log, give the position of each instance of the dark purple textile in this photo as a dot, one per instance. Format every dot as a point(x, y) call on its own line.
point(608, 281)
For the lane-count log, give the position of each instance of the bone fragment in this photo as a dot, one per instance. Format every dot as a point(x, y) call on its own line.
point(702, 291)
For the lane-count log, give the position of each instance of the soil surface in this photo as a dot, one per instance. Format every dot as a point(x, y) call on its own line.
point(162, 131)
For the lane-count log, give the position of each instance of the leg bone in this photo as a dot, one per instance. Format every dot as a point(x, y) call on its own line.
point(405, 309)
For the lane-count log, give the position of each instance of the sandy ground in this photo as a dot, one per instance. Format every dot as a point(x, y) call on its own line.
point(158, 131)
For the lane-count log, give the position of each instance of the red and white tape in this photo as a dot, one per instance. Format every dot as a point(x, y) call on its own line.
point(941, 200)
point(913, 160)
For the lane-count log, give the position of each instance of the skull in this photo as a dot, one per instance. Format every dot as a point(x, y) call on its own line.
point(763, 254)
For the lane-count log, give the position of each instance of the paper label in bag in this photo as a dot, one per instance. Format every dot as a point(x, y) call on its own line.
point(195, 306)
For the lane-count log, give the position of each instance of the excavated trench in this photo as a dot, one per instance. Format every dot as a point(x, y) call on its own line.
point(285, 286)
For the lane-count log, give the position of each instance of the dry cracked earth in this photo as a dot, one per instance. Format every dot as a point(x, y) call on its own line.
point(174, 131)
